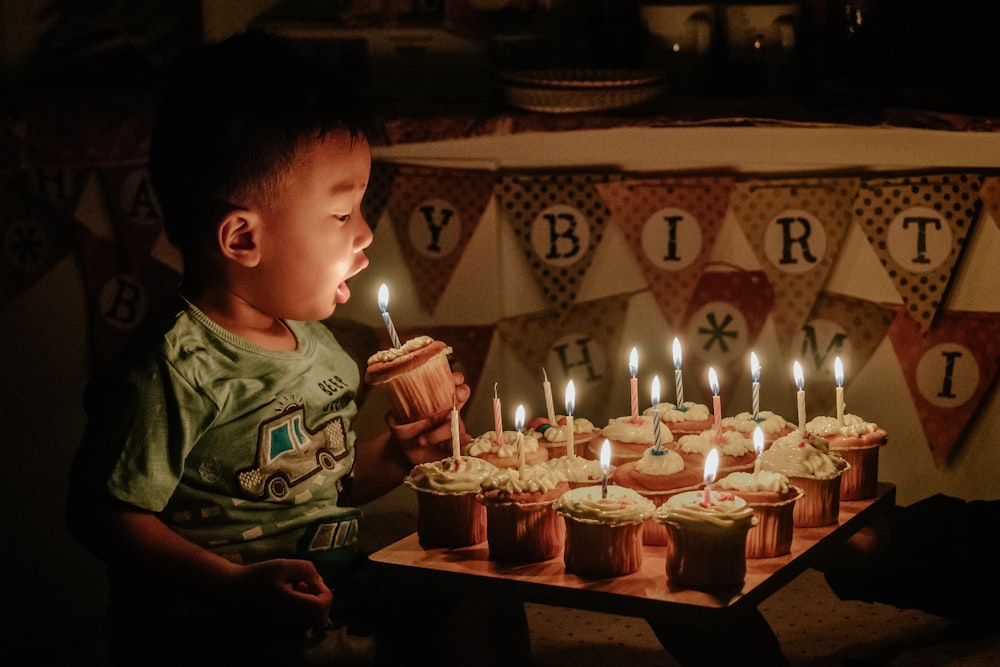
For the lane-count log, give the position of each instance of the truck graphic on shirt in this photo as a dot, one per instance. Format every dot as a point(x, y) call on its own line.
point(288, 452)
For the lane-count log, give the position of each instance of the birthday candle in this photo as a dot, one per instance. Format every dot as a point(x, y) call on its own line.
point(547, 388)
point(713, 383)
point(711, 465)
point(570, 405)
point(519, 426)
point(605, 462)
point(383, 305)
point(755, 376)
point(455, 444)
point(655, 399)
point(758, 448)
point(678, 379)
point(497, 420)
point(800, 382)
point(838, 374)
point(633, 369)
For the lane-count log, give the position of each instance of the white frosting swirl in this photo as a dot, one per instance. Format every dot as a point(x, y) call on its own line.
point(734, 443)
point(448, 476)
point(508, 447)
point(763, 480)
point(406, 348)
point(536, 479)
point(853, 426)
point(689, 509)
point(623, 429)
point(687, 412)
point(798, 455)
point(559, 433)
point(659, 462)
point(577, 469)
point(621, 505)
point(768, 422)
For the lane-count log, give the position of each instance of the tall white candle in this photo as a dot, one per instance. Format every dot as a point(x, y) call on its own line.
point(633, 369)
point(519, 426)
point(678, 377)
point(383, 305)
point(655, 399)
point(456, 445)
point(838, 375)
point(497, 419)
point(800, 382)
point(755, 377)
point(550, 410)
point(570, 406)
point(713, 383)
point(605, 464)
point(758, 448)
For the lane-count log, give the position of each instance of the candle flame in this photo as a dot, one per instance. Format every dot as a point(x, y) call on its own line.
point(677, 354)
point(758, 441)
point(605, 455)
point(754, 367)
point(711, 465)
point(570, 397)
point(800, 381)
point(838, 371)
point(633, 362)
point(519, 418)
point(713, 381)
point(383, 298)
point(655, 391)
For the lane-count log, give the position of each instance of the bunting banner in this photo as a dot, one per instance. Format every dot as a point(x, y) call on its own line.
point(134, 212)
point(671, 225)
point(559, 221)
point(578, 346)
point(795, 227)
point(726, 315)
point(36, 235)
point(377, 193)
point(839, 326)
point(918, 226)
point(59, 186)
point(948, 371)
point(989, 195)
point(435, 212)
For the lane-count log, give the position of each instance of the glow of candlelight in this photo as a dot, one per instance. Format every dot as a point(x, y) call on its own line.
point(678, 378)
point(838, 376)
point(549, 408)
point(519, 426)
point(655, 399)
point(711, 467)
point(633, 369)
point(605, 464)
point(713, 383)
point(383, 305)
point(800, 396)
point(758, 448)
point(570, 406)
point(755, 377)
point(497, 419)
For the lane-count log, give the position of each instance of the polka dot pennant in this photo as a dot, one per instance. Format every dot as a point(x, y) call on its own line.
point(949, 371)
point(435, 213)
point(671, 225)
point(580, 346)
point(990, 196)
point(559, 221)
point(841, 326)
point(795, 227)
point(918, 226)
point(377, 194)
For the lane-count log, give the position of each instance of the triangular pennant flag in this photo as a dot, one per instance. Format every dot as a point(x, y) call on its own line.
point(838, 326)
point(134, 212)
point(60, 186)
point(918, 226)
point(989, 194)
point(671, 225)
point(435, 212)
point(948, 371)
point(559, 220)
point(581, 346)
point(377, 193)
point(35, 236)
point(725, 317)
point(796, 227)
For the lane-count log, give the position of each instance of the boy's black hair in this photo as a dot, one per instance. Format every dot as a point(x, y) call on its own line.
point(230, 118)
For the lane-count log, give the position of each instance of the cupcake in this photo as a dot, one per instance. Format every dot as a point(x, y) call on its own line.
point(657, 475)
point(735, 448)
point(772, 425)
point(707, 546)
point(772, 499)
point(416, 377)
point(629, 438)
point(578, 471)
point(603, 533)
point(503, 454)
point(859, 443)
point(808, 463)
point(520, 523)
point(553, 436)
point(684, 419)
point(449, 513)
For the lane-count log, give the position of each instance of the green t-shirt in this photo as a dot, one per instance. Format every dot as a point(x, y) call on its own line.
point(242, 450)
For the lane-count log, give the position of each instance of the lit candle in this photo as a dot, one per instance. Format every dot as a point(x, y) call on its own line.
point(605, 463)
point(711, 466)
point(755, 376)
point(383, 305)
point(838, 375)
point(800, 382)
point(758, 448)
point(547, 388)
point(456, 446)
point(570, 405)
point(655, 393)
point(497, 419)
point(678, 379)
point(713, 383)
point(519, 426)
point(633, 369)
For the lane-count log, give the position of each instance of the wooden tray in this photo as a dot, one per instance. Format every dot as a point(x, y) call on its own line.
point(641, 593)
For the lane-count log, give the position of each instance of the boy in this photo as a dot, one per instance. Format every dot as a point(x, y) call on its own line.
point(218, 467)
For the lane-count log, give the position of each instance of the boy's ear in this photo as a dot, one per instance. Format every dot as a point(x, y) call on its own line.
point(237, 237)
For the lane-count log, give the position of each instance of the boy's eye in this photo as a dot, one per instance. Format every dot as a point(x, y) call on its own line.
point(343, 218)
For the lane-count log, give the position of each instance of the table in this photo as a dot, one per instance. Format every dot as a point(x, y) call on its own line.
point(642, 593)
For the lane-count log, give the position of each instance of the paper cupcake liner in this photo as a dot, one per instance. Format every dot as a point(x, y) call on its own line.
point(449, 520)
point(602, 550)
point(655, 533)
point(524, 532)
point(820, 502)
point(860, 481)
point(424, 391)
point(772, 535)
point(706, 559)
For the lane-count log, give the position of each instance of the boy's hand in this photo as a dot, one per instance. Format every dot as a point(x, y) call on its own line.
point(429, 439)
point(287, 590)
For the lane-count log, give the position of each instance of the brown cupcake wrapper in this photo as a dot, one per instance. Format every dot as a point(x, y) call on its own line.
point(524, 532)
point(602, 550)
point(772, 535)
point(449, 520)
point(706, 559)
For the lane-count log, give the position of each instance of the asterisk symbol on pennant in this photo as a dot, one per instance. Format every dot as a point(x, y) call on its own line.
point(717, 331)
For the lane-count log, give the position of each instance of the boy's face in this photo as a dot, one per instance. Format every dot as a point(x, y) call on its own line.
point(313, 235)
